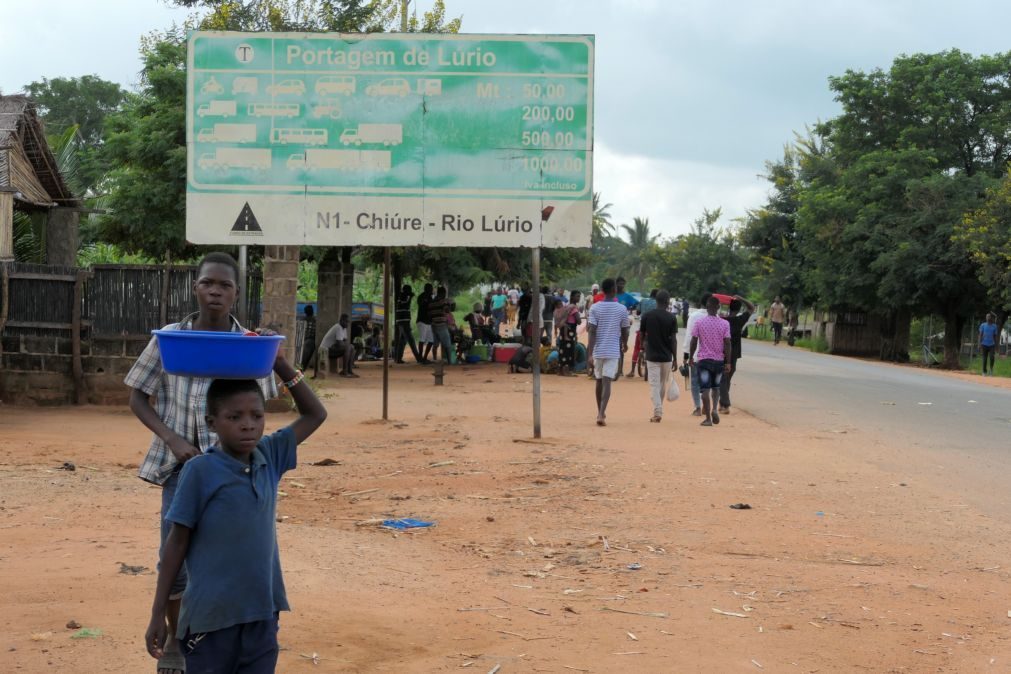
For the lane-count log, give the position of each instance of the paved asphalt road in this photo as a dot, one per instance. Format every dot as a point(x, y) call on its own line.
point(966, 427)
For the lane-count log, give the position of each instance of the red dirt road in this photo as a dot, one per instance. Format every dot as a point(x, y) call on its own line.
point(838, 567)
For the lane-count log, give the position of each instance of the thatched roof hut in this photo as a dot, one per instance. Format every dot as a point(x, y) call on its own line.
point(28, 168)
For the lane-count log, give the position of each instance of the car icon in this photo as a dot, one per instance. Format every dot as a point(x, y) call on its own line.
point(335, 84)
point(287, 87)
point(394, 86)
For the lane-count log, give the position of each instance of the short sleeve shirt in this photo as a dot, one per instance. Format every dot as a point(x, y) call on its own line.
point(609, 319)
point(336, 333)
point(711, 331)
point(233, 561)
point(660, 327)
point(737, 324)
point(988, 334)
point(180, 402)
point(423, 301)
point(498, 301)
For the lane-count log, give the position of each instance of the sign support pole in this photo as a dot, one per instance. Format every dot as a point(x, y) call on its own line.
point(386, 332)
point(535, 337)
point(243, 286)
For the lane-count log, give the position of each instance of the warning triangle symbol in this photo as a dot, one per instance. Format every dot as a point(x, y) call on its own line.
point(246, 222)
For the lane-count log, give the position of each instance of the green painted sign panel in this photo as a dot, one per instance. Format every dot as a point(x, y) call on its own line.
point(380, 139)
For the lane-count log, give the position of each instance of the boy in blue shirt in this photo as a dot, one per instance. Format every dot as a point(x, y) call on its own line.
point(223, 527)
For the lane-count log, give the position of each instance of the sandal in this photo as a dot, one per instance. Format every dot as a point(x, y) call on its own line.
point(172, 662)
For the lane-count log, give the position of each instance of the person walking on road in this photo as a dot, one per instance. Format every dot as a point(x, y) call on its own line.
point(567, 323)
point(711, 348)
point(627, 300)
point(777, 316)
point(608, 329)
point(405, 336)
point(988, 342)
point(659, 331)
point(737, 319)
point(692, 369)
point(426, 340)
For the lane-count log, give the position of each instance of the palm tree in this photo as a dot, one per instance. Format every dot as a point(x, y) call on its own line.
point(640, 241)
point(602, 226)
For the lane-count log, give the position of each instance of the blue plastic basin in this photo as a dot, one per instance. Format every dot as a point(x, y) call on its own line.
point(217, 355)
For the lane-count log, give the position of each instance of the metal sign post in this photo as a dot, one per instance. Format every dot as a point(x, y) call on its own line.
point(387, 306)
point(535, 338)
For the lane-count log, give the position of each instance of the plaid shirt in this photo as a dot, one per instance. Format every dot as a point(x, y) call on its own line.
point(181, 403)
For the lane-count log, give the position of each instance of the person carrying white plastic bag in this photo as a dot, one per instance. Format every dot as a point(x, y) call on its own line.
point(659, 337)
point(673, 390)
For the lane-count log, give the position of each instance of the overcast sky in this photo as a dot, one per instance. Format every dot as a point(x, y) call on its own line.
point(691, 97)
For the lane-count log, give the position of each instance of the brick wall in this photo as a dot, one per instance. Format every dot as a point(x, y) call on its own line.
point(38, 370)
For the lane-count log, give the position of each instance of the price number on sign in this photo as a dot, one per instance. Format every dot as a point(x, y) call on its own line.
point(548, 139)
point(553, 164)
point(546, 113)
point(541, 91)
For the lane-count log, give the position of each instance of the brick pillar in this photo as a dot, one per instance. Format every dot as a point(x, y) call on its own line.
point(62, 225)
point(280, 286)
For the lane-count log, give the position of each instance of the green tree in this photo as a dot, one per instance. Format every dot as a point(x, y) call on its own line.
point(986, 233)
point(911, 152)
point(707, 259)
point(82, 103)
point(638, 257)
point(146, 143)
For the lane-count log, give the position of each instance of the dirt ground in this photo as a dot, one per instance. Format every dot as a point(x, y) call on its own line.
point(596, 550)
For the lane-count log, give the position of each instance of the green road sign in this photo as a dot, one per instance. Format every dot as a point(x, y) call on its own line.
point(380, 139)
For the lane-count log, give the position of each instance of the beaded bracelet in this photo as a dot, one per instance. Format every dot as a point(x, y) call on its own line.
point(299, 376)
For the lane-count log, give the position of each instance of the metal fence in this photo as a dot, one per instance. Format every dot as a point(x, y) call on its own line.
point(927, 340)
point(136, 299)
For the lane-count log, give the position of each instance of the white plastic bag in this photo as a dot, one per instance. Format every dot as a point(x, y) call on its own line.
point(673, 392)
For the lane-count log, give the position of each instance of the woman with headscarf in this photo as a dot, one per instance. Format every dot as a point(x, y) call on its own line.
point(566, 321)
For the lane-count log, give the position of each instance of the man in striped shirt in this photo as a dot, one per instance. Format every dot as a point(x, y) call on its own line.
point(608, 329)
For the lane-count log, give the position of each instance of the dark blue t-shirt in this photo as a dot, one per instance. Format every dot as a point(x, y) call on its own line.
point(233, 562)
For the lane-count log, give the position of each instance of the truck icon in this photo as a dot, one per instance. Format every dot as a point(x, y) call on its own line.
point(228, 133)
point(230, 157)
point(245, 85)
point(272, 109)
point(217, 109)
point(387, 134)
point(303, 136)
point(341, 160)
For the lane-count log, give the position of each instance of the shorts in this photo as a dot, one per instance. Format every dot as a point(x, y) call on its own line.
point(248, 647)
point(425, 333)
point(605, 368)
point(710, 374)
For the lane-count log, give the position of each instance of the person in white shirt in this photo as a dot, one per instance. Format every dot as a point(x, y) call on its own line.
point(337, 344)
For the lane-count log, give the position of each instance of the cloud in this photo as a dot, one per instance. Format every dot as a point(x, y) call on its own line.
point(671, 193)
